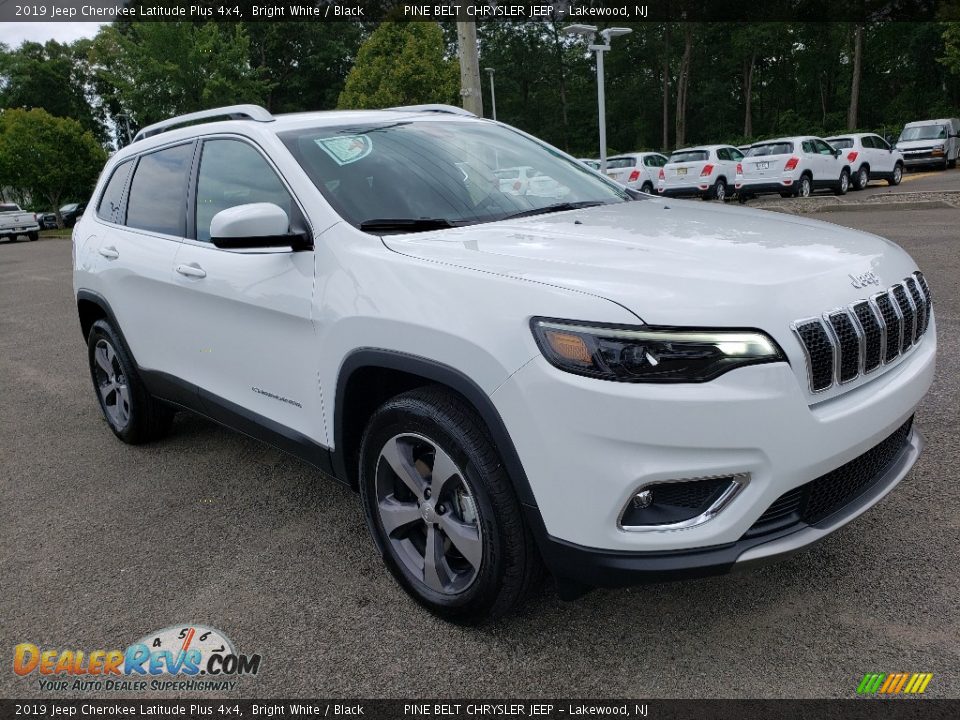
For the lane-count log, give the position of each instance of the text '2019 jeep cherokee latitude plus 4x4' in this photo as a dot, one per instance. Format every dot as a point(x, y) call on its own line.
point(619, 387)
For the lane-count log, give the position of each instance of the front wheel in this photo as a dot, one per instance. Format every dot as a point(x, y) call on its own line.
point(843, 184)
point(897, 175)
point(441, 509)
point(33, 236)
point(133, 415)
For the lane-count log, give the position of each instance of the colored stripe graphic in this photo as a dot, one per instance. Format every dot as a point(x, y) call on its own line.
point(894, 683)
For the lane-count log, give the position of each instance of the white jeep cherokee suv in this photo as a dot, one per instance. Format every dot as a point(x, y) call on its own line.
point(616, 387)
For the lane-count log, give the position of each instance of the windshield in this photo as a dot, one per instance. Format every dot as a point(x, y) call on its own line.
point(841, 143)
point(68, 208)
point(9, 208)
point(924, 132)
point(781, 148)
point(447, 172)
point(689, 156)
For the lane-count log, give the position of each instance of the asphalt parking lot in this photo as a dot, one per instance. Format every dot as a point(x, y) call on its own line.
point(102, 543)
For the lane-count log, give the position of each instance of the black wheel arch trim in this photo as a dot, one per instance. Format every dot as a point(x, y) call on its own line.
point(443, 375)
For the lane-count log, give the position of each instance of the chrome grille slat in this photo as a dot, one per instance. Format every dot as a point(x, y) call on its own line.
point(909, 313)
point(852, 341)
point(920, 304)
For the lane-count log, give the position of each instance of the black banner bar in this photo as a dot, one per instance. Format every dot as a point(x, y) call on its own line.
point(583, 11)
point(872, 708)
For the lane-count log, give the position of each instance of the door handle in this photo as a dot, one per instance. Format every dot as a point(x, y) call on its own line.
point(193, 270)
point(109, 252)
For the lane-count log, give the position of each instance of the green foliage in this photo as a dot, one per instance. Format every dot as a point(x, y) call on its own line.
point(52, 76)
point(401, 63)
point(153, 70)
point(47, 158)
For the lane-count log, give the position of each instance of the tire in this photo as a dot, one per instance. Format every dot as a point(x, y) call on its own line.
point(132, 414)
point(951, 164)
point(804, 186)
point(648, 188)
point(897, 175)
point(862, 177)
point(843, 184)
point(494, 564)
point(33, 236)
point(719, 191)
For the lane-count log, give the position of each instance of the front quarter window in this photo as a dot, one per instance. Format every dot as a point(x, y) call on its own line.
point(403, 175)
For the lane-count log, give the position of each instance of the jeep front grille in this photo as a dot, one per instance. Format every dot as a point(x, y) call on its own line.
point(851, 341)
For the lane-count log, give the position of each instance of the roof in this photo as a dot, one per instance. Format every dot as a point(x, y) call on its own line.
point(251, 119)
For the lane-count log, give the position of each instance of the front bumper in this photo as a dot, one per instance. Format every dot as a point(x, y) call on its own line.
point(587, 445)
point(923, 160)
point(591, 567)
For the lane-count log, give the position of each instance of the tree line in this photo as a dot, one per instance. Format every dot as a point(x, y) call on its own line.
point(668, 84)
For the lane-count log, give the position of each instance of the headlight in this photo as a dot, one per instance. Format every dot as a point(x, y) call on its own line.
point(937, 149)
point(650, 354)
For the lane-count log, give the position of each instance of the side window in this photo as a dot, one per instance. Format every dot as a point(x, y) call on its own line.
point(722, 154)
point(736, 155)
point(233, 173)
point(822, 147)
point(880, 143)
point(808, 146)
point(867, 142)
point(650, 161)
point(110, 208)
point(158, 193)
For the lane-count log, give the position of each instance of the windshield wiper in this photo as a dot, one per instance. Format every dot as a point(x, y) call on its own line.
point(557, 207)
point(405, 224)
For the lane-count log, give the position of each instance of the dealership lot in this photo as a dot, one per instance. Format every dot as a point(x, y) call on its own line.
point(103, 543)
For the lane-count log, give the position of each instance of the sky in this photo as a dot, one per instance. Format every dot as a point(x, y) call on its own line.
point(12, 34)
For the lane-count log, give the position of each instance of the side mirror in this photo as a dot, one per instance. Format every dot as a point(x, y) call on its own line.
point(836, 153)
point(255, 225)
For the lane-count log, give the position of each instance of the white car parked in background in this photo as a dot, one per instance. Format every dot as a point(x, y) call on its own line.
point(792, 167)
point(707, 171)
point(638, 171)
point(526, 180)
point(870, 158)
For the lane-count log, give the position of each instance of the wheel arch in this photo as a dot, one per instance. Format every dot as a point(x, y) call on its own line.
point(368, 377)
point(91, 307)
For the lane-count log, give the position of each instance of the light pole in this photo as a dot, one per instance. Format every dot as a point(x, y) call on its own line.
point(589, 32)
point(493, 94)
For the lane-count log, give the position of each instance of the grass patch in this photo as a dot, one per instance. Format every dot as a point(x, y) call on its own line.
point(56, 233)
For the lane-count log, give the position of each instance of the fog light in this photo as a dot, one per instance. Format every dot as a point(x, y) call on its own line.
point(642, 499)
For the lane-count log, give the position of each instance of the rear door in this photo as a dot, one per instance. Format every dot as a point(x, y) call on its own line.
point(139, 230)
point(245, 331)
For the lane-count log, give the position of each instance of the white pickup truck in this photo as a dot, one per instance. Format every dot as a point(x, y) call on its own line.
point(15, 222)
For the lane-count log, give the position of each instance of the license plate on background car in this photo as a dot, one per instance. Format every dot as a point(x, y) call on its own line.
point(763, 166)
point(681, 171)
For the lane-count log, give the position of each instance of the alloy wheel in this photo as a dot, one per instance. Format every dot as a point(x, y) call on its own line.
point(428, 513)
point(805, 187)
point(112, 384)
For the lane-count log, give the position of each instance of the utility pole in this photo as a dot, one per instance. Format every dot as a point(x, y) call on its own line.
point(472, 98)
point(493, 93)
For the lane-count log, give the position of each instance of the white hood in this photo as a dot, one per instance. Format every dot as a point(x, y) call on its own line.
point(674, 262)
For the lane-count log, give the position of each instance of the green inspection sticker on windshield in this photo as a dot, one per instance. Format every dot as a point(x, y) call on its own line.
point(346, 149)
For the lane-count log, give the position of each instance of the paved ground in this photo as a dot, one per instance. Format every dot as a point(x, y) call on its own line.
point(101, 543)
